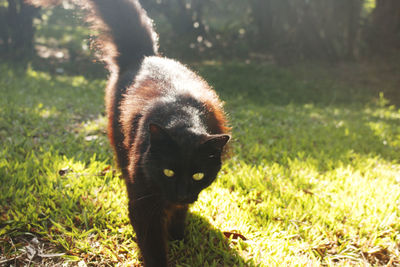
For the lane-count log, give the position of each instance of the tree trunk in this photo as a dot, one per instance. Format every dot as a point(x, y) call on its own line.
point(4, 36)
point(263, 19)
point(384, 34)
point(353, 26)
point(17, 30)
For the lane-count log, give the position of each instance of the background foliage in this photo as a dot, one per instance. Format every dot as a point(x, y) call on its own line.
point(282, 30)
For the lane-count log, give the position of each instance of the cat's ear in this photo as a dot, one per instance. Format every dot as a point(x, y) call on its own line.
point(158, 134)
point(216, 141)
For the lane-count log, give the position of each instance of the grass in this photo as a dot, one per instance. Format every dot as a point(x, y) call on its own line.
point(313, 179)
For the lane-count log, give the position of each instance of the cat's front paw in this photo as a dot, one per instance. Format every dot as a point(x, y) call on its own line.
point(177, 233)
point(156, 262)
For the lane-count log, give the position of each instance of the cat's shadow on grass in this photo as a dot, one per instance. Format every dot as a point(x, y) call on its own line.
point(203, 245)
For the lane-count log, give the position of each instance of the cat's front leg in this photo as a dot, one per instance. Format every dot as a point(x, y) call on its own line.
point(176, 225)
point(148, 222)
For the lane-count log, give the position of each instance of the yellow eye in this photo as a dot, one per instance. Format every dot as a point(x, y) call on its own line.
point(168, 172)
point(198, 176)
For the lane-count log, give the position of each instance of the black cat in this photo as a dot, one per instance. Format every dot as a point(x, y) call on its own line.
point(166, 125)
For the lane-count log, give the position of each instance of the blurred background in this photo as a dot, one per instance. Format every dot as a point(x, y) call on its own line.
point(351, 34)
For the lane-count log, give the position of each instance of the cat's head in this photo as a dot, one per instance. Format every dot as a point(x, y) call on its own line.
point(182, 167)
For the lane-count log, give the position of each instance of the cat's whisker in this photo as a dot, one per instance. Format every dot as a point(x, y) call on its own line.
point(145, 197)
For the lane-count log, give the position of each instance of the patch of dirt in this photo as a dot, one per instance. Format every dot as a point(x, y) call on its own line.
point(27, 250)
point(351, 251)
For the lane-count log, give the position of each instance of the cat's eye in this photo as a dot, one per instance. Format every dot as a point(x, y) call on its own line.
point(198, 176)
point(168, 172)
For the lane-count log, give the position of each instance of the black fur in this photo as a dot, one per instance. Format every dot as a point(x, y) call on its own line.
point(161, 116)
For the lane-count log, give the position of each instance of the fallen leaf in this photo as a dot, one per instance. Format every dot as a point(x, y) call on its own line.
point(106, 170)
point(308, 192)
point(234, 235)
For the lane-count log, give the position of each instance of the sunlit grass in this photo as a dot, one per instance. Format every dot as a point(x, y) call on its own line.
point(313, 178)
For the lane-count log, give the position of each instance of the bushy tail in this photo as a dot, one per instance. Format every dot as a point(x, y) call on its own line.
point(126, 33)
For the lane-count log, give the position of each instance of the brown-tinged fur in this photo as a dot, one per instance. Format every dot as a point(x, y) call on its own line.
point(154, 82)
point(160, 116)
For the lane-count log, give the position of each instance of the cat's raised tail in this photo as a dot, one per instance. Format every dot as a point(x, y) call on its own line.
point(125, 32)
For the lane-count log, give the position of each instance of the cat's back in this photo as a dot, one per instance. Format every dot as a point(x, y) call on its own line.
point(170, 77)
point(161, 84)
point(161, 78)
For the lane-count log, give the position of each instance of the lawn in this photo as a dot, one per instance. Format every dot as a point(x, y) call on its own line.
point(313, 176)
